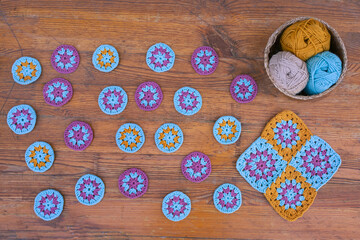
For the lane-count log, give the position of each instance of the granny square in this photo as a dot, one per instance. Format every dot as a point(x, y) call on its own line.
point(288, 164)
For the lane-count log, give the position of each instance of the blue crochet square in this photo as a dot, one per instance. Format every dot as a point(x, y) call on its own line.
point(260, 165)
point(316, 161)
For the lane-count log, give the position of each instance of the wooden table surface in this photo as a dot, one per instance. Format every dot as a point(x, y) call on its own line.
point(238, 31)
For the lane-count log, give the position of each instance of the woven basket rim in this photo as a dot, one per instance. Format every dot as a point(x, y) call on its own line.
point(272, 41)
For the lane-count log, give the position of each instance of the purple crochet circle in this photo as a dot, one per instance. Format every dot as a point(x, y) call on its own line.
point(204, 60)
point(133, 183)
point(57, 92)
point(78, 135)
point(243, 89)
point(196, 167)
point(65, 59)
point(148, 96)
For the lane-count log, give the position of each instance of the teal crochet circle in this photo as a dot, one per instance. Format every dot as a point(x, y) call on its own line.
point(105, 58)
point(26, 70)
point(112, 100)
point(39, 156)
point(48, 204)
point(187, 101)
point(130, 137)
point(160, 57)
point(89, 189)
point(169, 138)
point(21, 119)
point(227, 130)
point(176, 206)
point(227, 198)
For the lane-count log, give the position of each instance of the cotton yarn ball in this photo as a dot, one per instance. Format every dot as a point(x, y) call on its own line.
point(306, 38)
point(289, 72)
point(324, 70)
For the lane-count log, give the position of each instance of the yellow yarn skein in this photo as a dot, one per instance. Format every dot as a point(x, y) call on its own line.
point(306, 38)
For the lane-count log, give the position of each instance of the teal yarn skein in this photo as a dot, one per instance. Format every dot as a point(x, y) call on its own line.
point(324, 71)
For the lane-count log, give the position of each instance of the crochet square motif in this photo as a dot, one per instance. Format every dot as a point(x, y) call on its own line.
point(288, 164)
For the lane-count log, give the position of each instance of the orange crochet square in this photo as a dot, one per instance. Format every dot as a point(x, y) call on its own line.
point(287, 133)
point(290, 195)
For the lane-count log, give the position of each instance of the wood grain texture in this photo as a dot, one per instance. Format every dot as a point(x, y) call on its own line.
point(238, 31)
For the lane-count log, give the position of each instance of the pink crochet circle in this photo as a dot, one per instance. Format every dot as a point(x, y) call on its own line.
point(65, 59)
point(57, 92)
point(148, 96)
point(243, 89)
point(204, 60)
point(196, 167)
point(78, 135)
point(133, 183)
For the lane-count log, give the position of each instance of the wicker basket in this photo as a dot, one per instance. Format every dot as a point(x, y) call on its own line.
point(337, 46)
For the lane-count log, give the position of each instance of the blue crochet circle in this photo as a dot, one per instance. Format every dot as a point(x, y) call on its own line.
point(224, 131)
point(48, 204)
point(39, 156)
point(105, 58)
point(227, 198)
point(169, 137)
point(160, 57)
point(187, 101)
point(112, 100)
point(130, 137)
point(176, 206)
point(26, 70)
point(21, 119)
point(89, 189)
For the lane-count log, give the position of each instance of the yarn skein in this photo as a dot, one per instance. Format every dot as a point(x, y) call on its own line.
point(324, 70)
point(288, 72)
point(306, 38)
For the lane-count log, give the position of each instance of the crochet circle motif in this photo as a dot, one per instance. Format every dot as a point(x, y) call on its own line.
point(39, 156)
point(148, 96)
point(160, 57)
point(26, 70)
point(65, 59)
point(204, 60)
point(78, 135)
point(57, 92)
point(227, 198)
point(89, 189)
point(196, 167)
point(176, 206)
point(187, 101)
point(130, 137)
point(243, 89)
point(169, 138)
point(105, 58)
point(48, 204)
point(133, 183)
point(112, 100)
point(227, 130)
point(21, 119)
